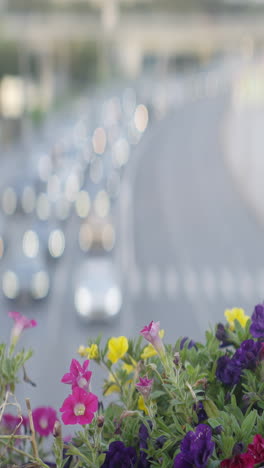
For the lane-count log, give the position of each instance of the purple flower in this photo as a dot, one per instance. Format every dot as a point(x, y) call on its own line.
point(144, 386)
point(247, 354)
point(257, 325)
point(201, 413)
point(196, 448)
point(228, 370)
point(191, 343)
point(222, 335)
point(151, 334)
point(143, 444)
point(120, 456)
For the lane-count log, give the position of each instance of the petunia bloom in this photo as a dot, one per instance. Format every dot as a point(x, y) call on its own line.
point(144, 386)
point(257, 325)
point(256, 449)
point(244, 460)
point(247, 354)
point(119, 456)
point(78, 376)
point(44, 418)
point(228, 370)
point(196, 448)
point(79, 407)
point(236, 314)
point(151, 334)
point(117, 348)
point(21, 323)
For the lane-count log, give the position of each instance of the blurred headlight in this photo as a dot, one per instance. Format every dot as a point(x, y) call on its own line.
point(82, 204)
point(62, 209)
point(83, 301)
point(108, 237)
point(102, 204)
point(40, 285)
point(56, 243)
point(9, 201)
point(141, 118)
point(113, 301)
point(28, 199)
point(120, 153)
point(10, 284)
point(30, 244)
point(43, 207)
point(99, 140)
point(73, 184)
point(85, 237)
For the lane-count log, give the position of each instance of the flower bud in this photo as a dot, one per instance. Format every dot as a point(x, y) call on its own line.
point(100, 421)
point(57, 429)
point(177, 359)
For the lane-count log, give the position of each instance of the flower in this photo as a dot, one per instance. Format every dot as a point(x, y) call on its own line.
point(196, 448)
point(143, 444)
point(78, 375)
point(191, 343)
point(113, 388)
point(257, 325)
point(256, 449)
point(236, 314)
point(141, 405)
point(21, 323)
point(79, 407)
point(244, 460)
point(151, 334)
point(228, 370)
point(117, 348)
point(148, 352)
point(44, 418)
point(222, 334)
point(144, 386)
point(10, 424)
point(247, 354)
point(119, 456)
point(92, 351)
point(82, 351)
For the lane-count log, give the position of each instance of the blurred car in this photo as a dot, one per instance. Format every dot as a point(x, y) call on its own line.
point(25, 279)
point(97, 234)
point(97, 294)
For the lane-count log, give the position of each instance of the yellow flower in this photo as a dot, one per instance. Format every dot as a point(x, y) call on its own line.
point(117, 348)
point(141, 404)
point(82, 351)
point(92, 352)
point(112, 388)
point(236, 314)
point(148, 352)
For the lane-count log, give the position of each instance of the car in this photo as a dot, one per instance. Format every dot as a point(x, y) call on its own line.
point(97, 295)
point(25, 279)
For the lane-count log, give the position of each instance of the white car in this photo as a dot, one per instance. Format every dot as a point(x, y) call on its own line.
point(97, 294)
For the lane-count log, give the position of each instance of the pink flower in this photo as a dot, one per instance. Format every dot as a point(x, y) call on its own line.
point(44, 419)
point(21, 323)
point(78, 375)
point(79, 407)
point(257, 448)
point(244, 460)
point(144, 386)
point(151, 334)
point(11, 423)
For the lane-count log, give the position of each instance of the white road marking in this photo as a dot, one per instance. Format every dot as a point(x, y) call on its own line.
point(209, 283)
point(227, 283)
point(171, 282)
point(153, 281)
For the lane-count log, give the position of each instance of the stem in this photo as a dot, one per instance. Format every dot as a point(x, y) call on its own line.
point(26, 455)
point(32, 428)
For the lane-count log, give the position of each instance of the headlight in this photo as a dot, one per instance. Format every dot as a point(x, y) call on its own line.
point(113, 301)
point(9, 201)
point(83, 301)
point(40, 285)
point(30, 244)
point(28, 199)
point(82, 204)
point(10, 285)
point(56, 243)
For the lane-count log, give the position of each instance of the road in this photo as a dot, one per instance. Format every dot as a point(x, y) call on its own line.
point(188, 248)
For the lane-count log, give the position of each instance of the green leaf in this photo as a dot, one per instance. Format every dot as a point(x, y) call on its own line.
point(210, 408)
point(249, 423)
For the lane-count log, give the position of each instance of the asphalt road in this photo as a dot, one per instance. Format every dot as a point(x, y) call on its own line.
point(188, 248)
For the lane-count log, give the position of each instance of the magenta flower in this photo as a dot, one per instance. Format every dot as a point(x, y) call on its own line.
point(21, 322)
point(79, 407)
point(44, 419)
point(78, 375)
point(144, 386)
point(10, 424)
point(151, 334)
